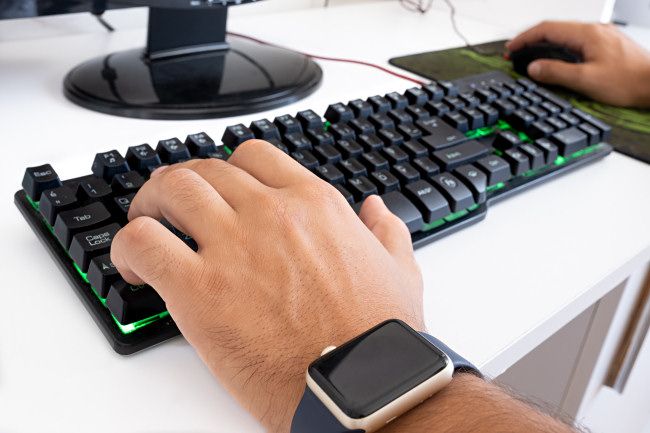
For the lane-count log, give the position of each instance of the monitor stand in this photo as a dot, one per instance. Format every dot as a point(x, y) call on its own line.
point(190, 71)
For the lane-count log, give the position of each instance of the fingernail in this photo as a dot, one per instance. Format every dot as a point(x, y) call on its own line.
point(534, 69)
point(159, 170)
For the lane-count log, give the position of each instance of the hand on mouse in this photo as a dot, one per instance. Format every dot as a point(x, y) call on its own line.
point(284, 268)
point(615, 70)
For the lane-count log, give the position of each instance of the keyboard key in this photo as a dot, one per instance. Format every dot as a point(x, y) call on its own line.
point(395, 155)
point(385, 181)
point(319, 138)
point(200, 144)
point(92, 188)
point(400, 117)
point(347, 195)
point(540, 129)
point(457, 121)
point(549, 149)
point(571, 120)
point(519, 162)
point(430, 202)
point(397, 100)
point(506, 140)
point(406, 173)
point(306, 158)
point(275, 143)
point(235, 135)
point(56, 200)
point(70, 222)
point(496, 169)
point(349, 148)
point(425, 166)
point(265, 130)
point(361, 109)
point(470, 100)
point(474, 117)
point(450, 88)
point(521, 119)
point(297, 141)
point(592, 132)
point(341, 131)
point(327, 154)
point(404, 210)
point(374, 161)
point(505, 108)
point(438, 109)
point(461, 154)
point(416, 96)
point(490, 114)
point(127, 182)
point(535, 155)
point(287, 124)
point(456, 193)
point(352, 168)
point(409, 132)
point(382, 121)
point(605, 130)
point(570, 140)
point(475, 179)
point(454, 104)
point(362, 126)
point(390, 137)
point(330, 174)
point(554, 99)
point(108, 164)
point(339, 112)
point(379, 104)
point(91, 243)
point(102, 273)
point(435, 92)
point(130, 303)
point(415, 149)
point(38, 179)
point(142, 158)
point(538, 113)
point(172, 151)
point(361, 188)
point(438, 134)
point(486, 96)
point(220, 152)
point(310, 120)
point(370, 141)
point(556, 123)
point(122, 204)
point(417, 112)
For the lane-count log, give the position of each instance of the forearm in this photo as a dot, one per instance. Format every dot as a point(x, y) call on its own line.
point(645, 86)
point(470, 404)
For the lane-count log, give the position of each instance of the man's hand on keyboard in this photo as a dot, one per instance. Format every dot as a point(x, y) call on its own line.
point(284, 268)
point(615, 69)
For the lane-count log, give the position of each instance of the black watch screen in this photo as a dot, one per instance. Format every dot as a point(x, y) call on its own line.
point(368, 372)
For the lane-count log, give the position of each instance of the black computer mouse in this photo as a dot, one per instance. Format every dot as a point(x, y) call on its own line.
point(542, 50)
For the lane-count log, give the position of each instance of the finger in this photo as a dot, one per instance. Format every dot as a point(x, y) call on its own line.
point(237, 187)
point(186, 200)
point(268, 164)
point(387, 228)
point(569, 34)
point(144, 251)
point(559, 73)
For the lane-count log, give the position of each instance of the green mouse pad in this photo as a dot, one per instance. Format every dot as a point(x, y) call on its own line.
point(631, 128)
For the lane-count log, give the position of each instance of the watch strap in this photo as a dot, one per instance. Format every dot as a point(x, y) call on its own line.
point(461, 365)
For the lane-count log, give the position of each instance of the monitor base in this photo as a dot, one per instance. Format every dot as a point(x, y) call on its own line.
point(240, 78)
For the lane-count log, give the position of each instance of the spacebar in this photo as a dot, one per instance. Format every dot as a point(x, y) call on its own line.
point(404, 210)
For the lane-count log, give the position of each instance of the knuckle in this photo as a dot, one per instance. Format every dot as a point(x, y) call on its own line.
point(249, 146)
point(181, 186)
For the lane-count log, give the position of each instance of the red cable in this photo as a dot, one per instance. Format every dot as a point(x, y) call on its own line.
point(334, 59)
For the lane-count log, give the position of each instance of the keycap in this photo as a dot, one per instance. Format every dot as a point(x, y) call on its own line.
point(395, 155)
point(200, 144)
point(91, 243)
point(297, 141)
point(438, 134)
point(306, 158)
point(417, 112)
point(538, 112)
point(470, 100)
point(553, 109)
point(486, 96)
point(554, 99)
point(287, 124)
point(496, 169)
point(456, 193)
point(519, 101)
point(454, 104)
point(108, 164)
point(404, 210)
point(449, 87)
point(130, 303)
point(540, 129)
point(397, 100)
point(265, 130)
point(235, 135)
point(519, 162)
point(390, 137)
point(535, 155)
point(549, 149)
point(310, 120)
point(379, 104)
point(101, 274)
point(172, 151)
point(142, 158)
point(570, 140)
point(475, 179)
point(38, 179)
point(327, 154)
point(347, 195)
point(127, 182)
point(382, 121)
point(532, 98)
point(70, 222)
point(505, 108)
point(320, 137)
point(506, 140)
point(329, 173)
point(592, 132)
point(416, 96)
point(521, 119)
point(527, 84)
point(361, 109)
point(122, 203)
point(456, 156)
point(474, 117)
point(370, 141)
point(438, 109)
point(605, 130)
point(399, 116)
point(490, 114)
point(362, 126)
point(572, 120)
point(56, 200)
point(351, 167)
point(361, 188)
point(339, 112)
point(415, 149)
point(435, 92)
point(92, 188)
point(557, 123)
point(502, 91)
point(406, 173)
point(341, 131)
point(349, 148)
point(425, 166)
point(220, 151)
point(409, 131)
point(429, 201)
point(515, 88)
point(385, 181)
point(374, 161)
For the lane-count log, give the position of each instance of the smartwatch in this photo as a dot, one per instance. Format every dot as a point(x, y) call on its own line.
point(372, 379)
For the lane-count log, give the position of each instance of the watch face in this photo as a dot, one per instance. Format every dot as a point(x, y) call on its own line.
point(367, 373)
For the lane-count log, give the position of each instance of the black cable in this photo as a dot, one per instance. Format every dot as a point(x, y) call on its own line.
point(98, 8)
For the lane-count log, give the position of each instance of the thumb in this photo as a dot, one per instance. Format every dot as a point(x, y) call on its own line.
point(557, 72)
point(387, 228)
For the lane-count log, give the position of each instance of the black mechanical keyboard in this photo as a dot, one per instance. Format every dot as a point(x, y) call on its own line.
point(438, 155)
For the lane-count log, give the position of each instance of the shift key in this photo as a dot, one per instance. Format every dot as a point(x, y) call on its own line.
point(456, 156)
point(73, 221)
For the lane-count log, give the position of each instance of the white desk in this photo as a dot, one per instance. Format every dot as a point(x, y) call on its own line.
point(536, 261)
